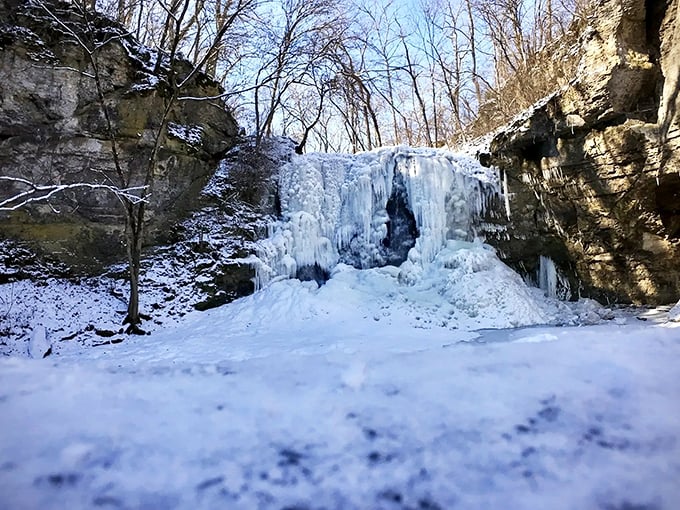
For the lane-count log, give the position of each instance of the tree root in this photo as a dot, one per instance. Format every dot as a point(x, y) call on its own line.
point(134, 329)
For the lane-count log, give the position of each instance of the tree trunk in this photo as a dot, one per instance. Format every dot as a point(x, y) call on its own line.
point(473, 54)
point(410, 70)
point(135, 235)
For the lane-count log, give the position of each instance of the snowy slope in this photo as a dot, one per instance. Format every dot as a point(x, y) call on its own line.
point(175, 279)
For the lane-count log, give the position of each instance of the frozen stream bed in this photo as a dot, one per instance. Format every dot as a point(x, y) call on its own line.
point(304, 398)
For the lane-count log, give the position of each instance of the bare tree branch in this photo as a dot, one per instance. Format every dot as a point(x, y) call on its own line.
point(43, 192)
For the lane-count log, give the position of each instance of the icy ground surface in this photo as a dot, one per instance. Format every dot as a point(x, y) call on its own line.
point(348, 397)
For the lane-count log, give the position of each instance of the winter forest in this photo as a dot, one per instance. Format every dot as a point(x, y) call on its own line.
point(352, 76)
point(322, 254)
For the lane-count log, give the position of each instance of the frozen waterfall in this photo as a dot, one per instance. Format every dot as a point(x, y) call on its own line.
point(388, 206)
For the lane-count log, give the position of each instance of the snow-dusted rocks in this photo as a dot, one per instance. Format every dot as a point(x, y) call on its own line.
point(594, 175)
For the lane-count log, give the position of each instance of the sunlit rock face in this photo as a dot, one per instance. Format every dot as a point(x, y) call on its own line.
point(593, 170)
point(52, 130)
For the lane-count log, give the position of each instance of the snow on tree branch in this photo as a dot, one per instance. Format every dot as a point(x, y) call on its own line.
point(40, 193)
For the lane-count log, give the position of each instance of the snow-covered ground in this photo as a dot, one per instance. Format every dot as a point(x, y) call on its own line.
point(385, 388)
point(353, 395)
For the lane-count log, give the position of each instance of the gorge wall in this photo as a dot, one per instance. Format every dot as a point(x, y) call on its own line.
point(52, 131)
point(593, 171)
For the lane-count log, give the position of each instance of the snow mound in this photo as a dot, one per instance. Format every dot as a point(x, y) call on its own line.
point(483, 291)
point(466, 287)
point(39, 345)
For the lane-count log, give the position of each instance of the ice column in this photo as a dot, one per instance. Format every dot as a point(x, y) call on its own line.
point(551, 281)
point(547, 276)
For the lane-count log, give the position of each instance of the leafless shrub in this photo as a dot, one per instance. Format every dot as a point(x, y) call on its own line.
point(252, 177)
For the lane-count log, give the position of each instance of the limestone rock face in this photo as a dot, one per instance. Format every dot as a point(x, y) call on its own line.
point(52, 130)
point(593, 171)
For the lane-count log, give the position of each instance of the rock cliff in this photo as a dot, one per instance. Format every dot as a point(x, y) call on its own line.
point(593, 170)
point(52, 130)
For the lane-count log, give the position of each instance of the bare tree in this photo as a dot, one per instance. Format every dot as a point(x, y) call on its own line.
point(172, 81)
point(413, 70)
point(376, 38)
point(289, 53)
point(306, 106)
point(416, 73)
point(522, 36)
point(356, 83)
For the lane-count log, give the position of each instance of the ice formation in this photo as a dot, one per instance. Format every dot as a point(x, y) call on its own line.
point(551, 281)
point(674, 313)
point(389, 206)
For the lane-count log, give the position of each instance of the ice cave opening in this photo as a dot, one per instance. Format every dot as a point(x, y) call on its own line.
point(402, 230)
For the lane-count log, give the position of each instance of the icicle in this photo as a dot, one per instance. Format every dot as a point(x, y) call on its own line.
point(551, 281)
point(547, 276)
point(506, 194)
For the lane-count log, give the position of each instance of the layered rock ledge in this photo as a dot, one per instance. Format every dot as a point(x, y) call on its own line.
point(593, 170)
point(52, 131)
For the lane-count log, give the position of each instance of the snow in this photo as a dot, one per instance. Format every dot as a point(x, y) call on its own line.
point(36, 49)
point(190, 135)
point(446, 382)
point(62, 309)
point(674, 313)
point(145, 83)
point(38, 346)
point(339, 397)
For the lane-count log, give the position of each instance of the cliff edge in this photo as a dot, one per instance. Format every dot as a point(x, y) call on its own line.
point(53, 131)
